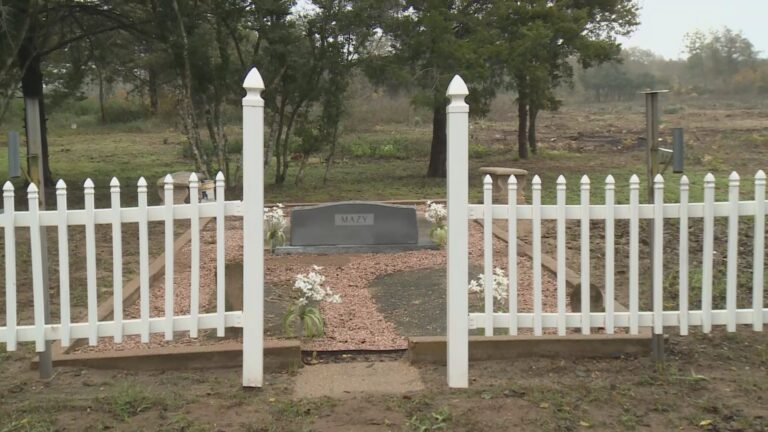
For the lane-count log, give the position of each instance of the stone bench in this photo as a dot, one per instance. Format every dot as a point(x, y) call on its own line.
point(500, 177)
point(180, 186)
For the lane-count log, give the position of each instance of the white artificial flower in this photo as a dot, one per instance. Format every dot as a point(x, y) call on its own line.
point(436, 213)
point(500, 284)
point(310, 287)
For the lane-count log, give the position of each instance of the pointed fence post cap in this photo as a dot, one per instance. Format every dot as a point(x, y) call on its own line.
point(760, 174)
point(512, 180)
point(659, 179)
point(585, 180)
point(684, 180)
point(88, 184)
point(60, 184)
point(734, 176)
point(193, 178)
point(253, 80)
point(457, 87)
point(32, 188)
point(114, 182)
point(561, 180)
point(220, 176)
point(487, 182)
point(610, 180)
point(8, 187)
point(709, 178)
point(168, 180)
point(634, 180)
point(142, 182)
point(536, 180)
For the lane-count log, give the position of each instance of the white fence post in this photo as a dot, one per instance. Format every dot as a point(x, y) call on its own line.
point(10, 265)
point(759, 252)
point(586, 291)
point(253, 230)
point(488, 252)
point(457, 114)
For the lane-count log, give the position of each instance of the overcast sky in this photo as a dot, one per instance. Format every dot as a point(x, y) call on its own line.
point(664, 22)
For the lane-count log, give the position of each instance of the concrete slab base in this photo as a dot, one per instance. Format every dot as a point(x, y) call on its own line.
point(432, 349)
point(347, 380)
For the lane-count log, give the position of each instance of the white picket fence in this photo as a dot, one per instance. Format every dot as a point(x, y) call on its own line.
point(460, 212)
point(609, 212)
point(460, 320)
point(91, 328)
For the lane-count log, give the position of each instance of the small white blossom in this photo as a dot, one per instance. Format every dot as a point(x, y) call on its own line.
point(311, 289)
point(436, 213)
point(500, 284)
point(274, 219)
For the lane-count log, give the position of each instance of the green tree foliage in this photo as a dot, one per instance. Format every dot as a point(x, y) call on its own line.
point(539, 37)
point(723, 61)
point(427, 42)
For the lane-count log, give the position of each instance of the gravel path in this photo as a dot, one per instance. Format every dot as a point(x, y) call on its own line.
point(354, 324)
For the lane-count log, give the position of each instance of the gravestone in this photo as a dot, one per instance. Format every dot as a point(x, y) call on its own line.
point(354, 226)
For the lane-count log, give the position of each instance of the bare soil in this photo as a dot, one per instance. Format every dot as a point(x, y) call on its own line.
point(714, 383)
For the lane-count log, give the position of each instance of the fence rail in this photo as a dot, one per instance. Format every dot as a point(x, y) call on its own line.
point(657, 213)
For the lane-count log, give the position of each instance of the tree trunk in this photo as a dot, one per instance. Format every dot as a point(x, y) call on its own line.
point(102, 96)
point(190, 116)
point(438, 151)
point(154, 100)
point(522, 129)
point(32, 87)
point(532, 143)
point(331, 153)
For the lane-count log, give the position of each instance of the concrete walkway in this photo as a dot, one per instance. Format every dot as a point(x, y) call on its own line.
point(343, 380)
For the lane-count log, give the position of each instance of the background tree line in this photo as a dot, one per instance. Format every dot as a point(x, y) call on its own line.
point(719, 62)
point(192, 55)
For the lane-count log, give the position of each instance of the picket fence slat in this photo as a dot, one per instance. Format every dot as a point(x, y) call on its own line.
point(733, 239)
point(90, 262)
point(63, 248)
point(658, 255)
point(117, 260)
point(610, 198)
point(512, 252)
point(708, 251)
point(220, 255)
point(10, 264)
point(37, 268)
point(759, 252)
point(561, 285)
point(169, 255)
point(194, 296)
point(683, 257)
point(584, 255)
point(634, 258)
point(143, 261)
point(488, 250)
point(536, 232)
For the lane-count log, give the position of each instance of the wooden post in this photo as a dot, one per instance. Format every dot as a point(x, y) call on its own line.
point(253, 230)
point(458, 234)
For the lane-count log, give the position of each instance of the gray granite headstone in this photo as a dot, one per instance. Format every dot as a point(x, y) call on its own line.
point(353, 223)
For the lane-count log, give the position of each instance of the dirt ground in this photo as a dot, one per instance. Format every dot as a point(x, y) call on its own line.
point(714, 383)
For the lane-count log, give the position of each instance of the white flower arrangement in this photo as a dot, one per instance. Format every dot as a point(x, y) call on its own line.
point(437, 214)
point(311, 290)
point(500, 284)
point(311, 287)
point(274, 225)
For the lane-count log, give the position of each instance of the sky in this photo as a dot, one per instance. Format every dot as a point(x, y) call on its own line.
point(663, 23)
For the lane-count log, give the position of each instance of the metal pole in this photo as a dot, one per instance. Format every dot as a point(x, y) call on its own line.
point(651, 150)
point(35, 164)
